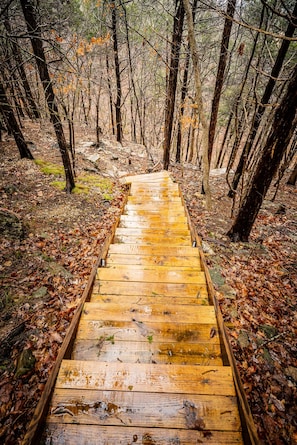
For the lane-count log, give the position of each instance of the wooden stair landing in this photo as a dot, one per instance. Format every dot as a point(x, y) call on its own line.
point(146, 365)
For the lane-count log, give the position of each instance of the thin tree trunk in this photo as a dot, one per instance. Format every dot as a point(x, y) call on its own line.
point(36, 41)
point(220, 76)
point(110, 94)
point(184, 91)
point(172, 80)
point(20, 66)
point(265, 98)
point(118, 104)
point(278, 139)
point(11, 121)
point(195, 58)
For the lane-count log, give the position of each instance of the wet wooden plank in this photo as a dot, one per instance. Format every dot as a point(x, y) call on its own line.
point(88, 435)
point(146, 178)
point(157, 260)
point(151, 275)
point(175, 206)
point(148, 231)
point(136, 222)
point(152, 240)
point(141, 312)
point(134, 331)
point(214, 413)
point(176, 379)
point(143, 299)
point(163, 199)
point(153, 250)
point(149, 351)
point(153, 267)
point(149, 211)
point(151, 289)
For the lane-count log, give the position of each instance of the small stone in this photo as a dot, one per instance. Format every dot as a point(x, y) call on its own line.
point(228, 291)
point(216, 276)
point(243, 339)
point(40, 293)
point(206, 248)
point(291, 371)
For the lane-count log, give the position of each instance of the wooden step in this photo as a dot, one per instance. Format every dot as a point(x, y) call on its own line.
point(174, 379)
point(69, 434)
point(151, 299)
point(148, 351)
point(135, 331)
point(216, 413)
point(139, 249)
point(141, 312)
point(153, 268)
point(104, 287)
point(153, 223)
point(148, 231)
point(149, 274)
point(157, 260)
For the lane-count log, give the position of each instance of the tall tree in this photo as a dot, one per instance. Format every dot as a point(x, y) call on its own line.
point(220, 75)
point(13, 125)
point(21, 69)
point(199, 100)
point(279, 61)
point(285, 121)
point(118, 104)
point(37, 45)
point(178, 23)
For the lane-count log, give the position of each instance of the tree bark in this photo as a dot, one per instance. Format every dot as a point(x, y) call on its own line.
point(220, 76)
point(265, 99)
point(195, 58)
point(278, 139)
point(20, 66)
point(13, 125)
point(110, 94)
point(36, 41)
point(172, 80)
point(293, 176)
point(118, 104)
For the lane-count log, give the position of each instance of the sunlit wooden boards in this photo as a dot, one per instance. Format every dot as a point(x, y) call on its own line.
point(146, 363)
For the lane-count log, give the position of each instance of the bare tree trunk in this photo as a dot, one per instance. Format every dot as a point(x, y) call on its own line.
point(195, 58)
point(278, 139)
point(36, 41)
point(20, 66)
point(110, 94)
point(184, 91)
point(172, 80)
point(119, 129)
point(220, 75)
point(11, 121)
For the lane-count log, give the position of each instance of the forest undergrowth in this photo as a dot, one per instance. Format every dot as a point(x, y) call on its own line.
point(43, 275)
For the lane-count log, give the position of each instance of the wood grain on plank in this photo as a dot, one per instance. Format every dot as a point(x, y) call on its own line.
point(177, 379)
point(152, 289)
point(141, 409)
point(153, 250)
point(151, 275)
point(87, 435)
point(107, 349)
point(157, 260)
point(135, 331)
point(141, 312)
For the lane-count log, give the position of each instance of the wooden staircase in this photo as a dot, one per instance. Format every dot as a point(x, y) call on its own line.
point(146, 364)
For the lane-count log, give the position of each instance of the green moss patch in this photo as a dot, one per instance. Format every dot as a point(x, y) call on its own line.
point(48, 168)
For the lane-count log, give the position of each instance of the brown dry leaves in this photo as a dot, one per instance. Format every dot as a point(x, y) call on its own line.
point(261, 314)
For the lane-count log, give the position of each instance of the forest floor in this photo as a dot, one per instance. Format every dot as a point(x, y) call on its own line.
point(43, 274)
